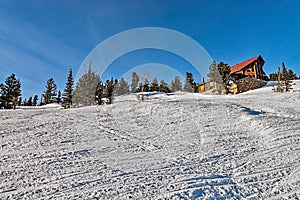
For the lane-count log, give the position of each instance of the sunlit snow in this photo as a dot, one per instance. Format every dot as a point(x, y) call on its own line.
point(183, 146)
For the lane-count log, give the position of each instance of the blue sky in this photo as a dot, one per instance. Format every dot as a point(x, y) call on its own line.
point(43, 39)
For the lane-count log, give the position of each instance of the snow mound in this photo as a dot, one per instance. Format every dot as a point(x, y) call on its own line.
point(269, 88)
point(48, 106)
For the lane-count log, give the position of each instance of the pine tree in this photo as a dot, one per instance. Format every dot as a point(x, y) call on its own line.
point(144, 86)
point(189, 82)
point(273, 77)
point(99, 93)
point(154, 85)
point(10, 92)
point(279, 75)
point(215, 77)
point(109, 89)
point(20, 101)
point(291, 75)
point(29, 102)
point(163, 87)
point(41, 101)
point(214, 74)
point(25, 102)
point(134, 82)
point(176, 84)
point(35, 99)
point(122, 87)
point(224, 71)
point(58, 99)
point(50, 92)
point(285, 78)
point(84, 93)
point(68, 91)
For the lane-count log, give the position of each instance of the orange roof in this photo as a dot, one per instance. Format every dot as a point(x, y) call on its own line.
point(244, 64)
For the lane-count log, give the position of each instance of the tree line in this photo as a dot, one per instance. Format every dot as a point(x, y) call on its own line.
point(288, 73)
point(283, 76)
point(11, 96)
point(91, 90)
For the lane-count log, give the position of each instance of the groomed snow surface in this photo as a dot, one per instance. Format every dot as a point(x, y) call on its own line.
point(183, 146)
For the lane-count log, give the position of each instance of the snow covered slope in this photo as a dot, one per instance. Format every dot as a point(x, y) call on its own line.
point(185, 146)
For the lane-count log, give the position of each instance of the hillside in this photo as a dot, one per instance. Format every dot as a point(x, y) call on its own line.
point(185, 146)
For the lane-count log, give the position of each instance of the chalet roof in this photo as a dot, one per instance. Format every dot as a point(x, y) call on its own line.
point(244, 64)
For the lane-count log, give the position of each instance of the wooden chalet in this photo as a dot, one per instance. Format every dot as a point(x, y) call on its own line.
point(252, 67)
point(247, 75)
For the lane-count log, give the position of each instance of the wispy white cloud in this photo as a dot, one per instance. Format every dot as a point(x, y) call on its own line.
point(33, 54)
point(34, 40)
point(26, 67)
point(92, 28)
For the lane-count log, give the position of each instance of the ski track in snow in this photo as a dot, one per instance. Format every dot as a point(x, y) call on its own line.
point(245, 146)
